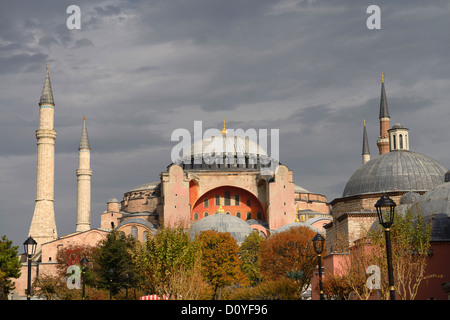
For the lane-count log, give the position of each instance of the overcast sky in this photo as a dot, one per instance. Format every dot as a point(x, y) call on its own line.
point(140, 69)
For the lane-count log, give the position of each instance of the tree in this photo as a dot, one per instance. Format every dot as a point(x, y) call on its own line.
point(169, 263)
point(248, 253)
point(220, 259)
point(287, 252)
point(410, 238)
point(9, 267)
point(113, 262)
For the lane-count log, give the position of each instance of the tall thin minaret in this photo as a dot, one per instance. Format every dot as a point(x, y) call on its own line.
point(365, 147)
point(43, 225)
point(383, 139)
point(84, 173)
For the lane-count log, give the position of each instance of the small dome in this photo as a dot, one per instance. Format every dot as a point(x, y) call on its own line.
point(399, 170)
point(295, 225)
point(112, 200)
point(220, 222)
point(409, 198)
point(435, 205)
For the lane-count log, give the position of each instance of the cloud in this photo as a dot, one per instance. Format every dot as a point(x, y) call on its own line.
point(139, 70)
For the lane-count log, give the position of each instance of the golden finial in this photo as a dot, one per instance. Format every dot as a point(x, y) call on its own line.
point(224, 130)
point(47, 66)
point(364, 122)
point(382, 77)
point(297, 220)
point(220, 210)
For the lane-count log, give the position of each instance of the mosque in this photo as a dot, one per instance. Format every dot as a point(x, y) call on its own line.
point(237, 196)
point(411, 180)
point(234, 195)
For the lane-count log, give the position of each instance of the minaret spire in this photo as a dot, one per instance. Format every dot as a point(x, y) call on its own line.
point(383, 139)
point(84, 174)
point(43, 225)
point(365, 147)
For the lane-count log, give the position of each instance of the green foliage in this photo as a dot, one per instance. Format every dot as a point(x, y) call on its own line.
point(169, 263)
point(248, 253)
point(9, 267)
point(113, 263)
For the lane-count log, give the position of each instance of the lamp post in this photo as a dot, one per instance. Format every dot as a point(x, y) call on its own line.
point(318, 242)
point(385, 209)
point(29, 247)
point(111, 273)
point(84, 266)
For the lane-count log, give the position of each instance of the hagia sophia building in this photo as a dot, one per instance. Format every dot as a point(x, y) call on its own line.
point(234, 196)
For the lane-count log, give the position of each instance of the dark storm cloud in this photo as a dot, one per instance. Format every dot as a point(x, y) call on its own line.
point(140, 69)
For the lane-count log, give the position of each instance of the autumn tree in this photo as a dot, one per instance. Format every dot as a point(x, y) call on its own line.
point(9, 267)
point(289, 252)
point(220, 259)
point(169, 263)
point(249, 255)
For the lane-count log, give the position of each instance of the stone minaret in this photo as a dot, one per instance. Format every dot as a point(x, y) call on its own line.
point(383, 139)
point(84, 173)
point(43, 226)
point(365, 147)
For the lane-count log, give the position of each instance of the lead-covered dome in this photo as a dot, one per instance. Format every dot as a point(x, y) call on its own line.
point(399, 170)
point(225, 152)
point(221, 222)
point(225, 144)
point(435, 205)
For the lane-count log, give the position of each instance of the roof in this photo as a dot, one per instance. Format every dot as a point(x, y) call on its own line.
point(84, 141)
point(221, 222)
point(435, 205)
point(399, 170)
point(384, 111)
point(47, 93)
point(224, 144)
point(147, 186)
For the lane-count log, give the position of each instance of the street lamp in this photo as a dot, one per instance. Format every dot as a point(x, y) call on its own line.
point(29, 247)
point(111, 273)
point(318, 242)
point(385, 210)
point(84, 266)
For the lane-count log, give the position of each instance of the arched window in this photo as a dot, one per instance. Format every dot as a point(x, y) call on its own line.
point(217, 200)
point(249, 202)
point(237, 200)
point(195, 215)
point(259, 215)
point(205, 214)
point(395, 142)
point(238, 214)
point(249, 215)
point(227, 198)
point(205, 203)
point(228, 212)
point(134, 232)
point(401, 141)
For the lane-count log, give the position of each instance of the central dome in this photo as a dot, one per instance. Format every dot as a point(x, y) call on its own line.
point(228, 144)
point(399, 170)
point(225, 152)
